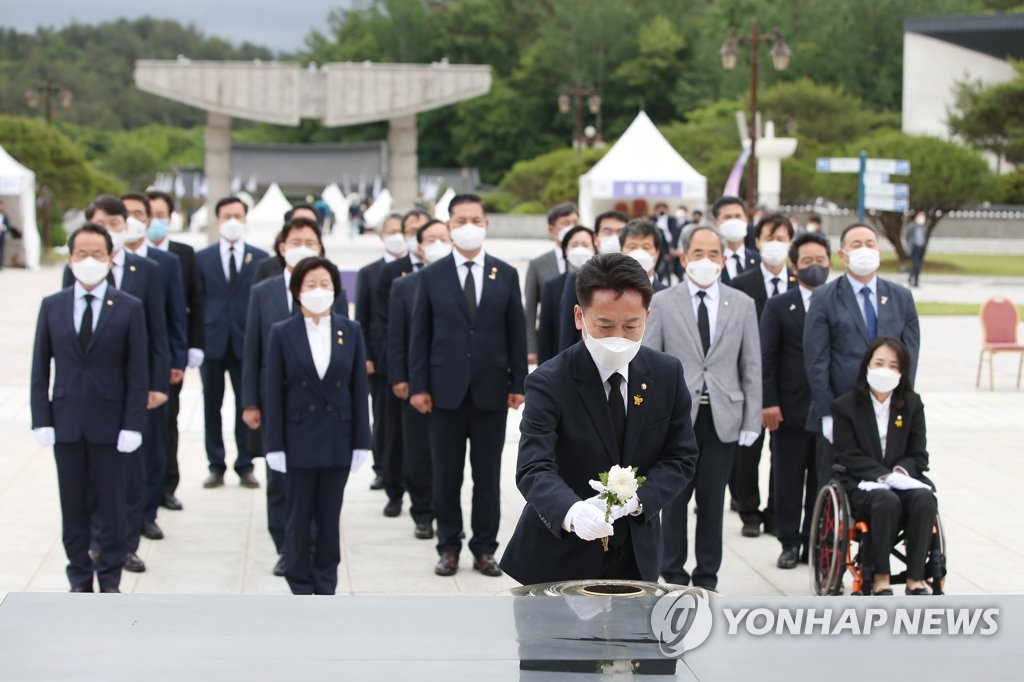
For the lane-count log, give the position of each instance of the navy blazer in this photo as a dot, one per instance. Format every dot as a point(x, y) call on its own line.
point(192, 282)
point(142, 279)
point(836, 338)
point(568, 334)
point(316, 422)
point(783, 377)
point(226, 306)
point(269, 267)
point(268, 305)
point(403, 297)
point(389, 272)
point(753, 260)
point(449, 356)
point(366, 281)
point(548, 326)
point(567, 440)
point(174, 305)
point(101, 391)
point(751, 282)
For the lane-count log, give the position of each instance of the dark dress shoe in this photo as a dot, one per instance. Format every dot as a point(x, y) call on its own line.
point(81, 588)
point(279, 567)
point(448, 564)
point(918, 591)
point(377, 483)
point(424, 531)
point(887, 592)
point(110, 590)
point(248, 481)
point(751, 529)
point(789, 558)
point(151, 531)
point(214, 481)
point(486, 564)
point(133, 563)
point(94, 555)
point(171, 502)
point(393, 508)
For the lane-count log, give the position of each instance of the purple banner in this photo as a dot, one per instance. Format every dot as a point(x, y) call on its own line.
point(646, 188)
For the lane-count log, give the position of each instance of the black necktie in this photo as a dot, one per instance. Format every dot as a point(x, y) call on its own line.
point(469, 289)
point(110, 278)
point(775, 286)
point(739, 263)
point(232, 268)
point(617, 408)
point(417, 266)
point(703, 322)
point(85, 331)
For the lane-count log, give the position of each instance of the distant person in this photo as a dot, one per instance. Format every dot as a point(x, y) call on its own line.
point(544, 267)
point(915, 234)
point(5, 226)
point(814, 224)
point(578, 247)
point(642, 240)
point(669, 226)
point(730, 216)
point(272, 267)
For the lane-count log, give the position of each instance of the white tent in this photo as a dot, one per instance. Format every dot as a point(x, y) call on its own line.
point(18, 190)
point(336, 200)
point(641, 165)
point(380, 208)
point(441, 206)
point(265, 219)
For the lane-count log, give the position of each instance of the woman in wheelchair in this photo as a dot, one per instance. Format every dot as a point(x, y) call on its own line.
point(879, 437)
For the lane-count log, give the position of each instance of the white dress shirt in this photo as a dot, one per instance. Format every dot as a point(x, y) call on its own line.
point(389, 258)
point(805, 294)
point(560, 258)
point(100, 292)
point(118, 268)
point(768, 277)
point(857, 286)
point(710, 302)
point(478, 271)
point(623, 387)
point(418, 263)
point(319, 335)
point(142, 251)
point(164, 246)
point(225, 247)
point(730, 262)
point(881, 417)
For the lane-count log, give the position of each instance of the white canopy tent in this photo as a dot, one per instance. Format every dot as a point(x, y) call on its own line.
point(441, 206)
point(18, 190)
point(641, 165)
point(265, 219)
point(336, 200)
point(380, 208)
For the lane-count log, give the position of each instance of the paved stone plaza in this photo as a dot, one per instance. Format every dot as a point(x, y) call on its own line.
point(219, 543)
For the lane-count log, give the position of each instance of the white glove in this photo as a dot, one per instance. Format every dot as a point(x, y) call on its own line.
point(747, 438)
point(868, 486)
point(276, 462)
point(898, 481)
point(618, 510)
point(195, 357)
point(588, 522)
point(359, 458)
point(826, 428)
point(128, 441)
point(44, 436)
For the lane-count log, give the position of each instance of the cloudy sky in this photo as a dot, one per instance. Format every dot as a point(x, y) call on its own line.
point(278, 24)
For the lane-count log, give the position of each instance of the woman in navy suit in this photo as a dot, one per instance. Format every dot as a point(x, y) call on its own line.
point(880, 439)
point(317, 421)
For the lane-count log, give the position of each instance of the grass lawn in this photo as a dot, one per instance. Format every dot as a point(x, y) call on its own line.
point(933, 308)
point(963, 264)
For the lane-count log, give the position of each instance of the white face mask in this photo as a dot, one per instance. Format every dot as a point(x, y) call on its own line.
point(609, 245)
point(295, 254)
point(119, 239)
point(611, 352)
point(645, 259)
point(469, 237)
point(90, 271)
point(135, 230)
point(561, 233)
point(883, 379)
point(774, 253)
point(396, 245)
point(317, 301)
point(232, 229)
point(734, 230)
point(435, 251)
point(703, 272)
point(864, 261)
point(412, 244)
point(578, 255)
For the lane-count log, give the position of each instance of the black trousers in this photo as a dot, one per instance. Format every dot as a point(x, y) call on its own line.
point(745, 484)
point(87, 473)
point(887, 512)
point(795, 483)
point(485, 430)
point(714, 465)
point(172, 475)
point(916, 263)
point(417, 469)
point(377, 402)
point(156, 462)
point(824, 458)
point(391, 455)
point(134, 480)
point(277, 508)
point(313, 495)
point(212, 372)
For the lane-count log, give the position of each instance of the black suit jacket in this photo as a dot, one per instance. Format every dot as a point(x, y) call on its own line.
point(782, 357)
point(366, 281)
point(389, 272)
point(567, 440)
point(226, 305)
point(403, 298)
point(752, 259)
point(267, 268)
point(193, 283)
point(751, 282)
point(549, 325)
point(568, 334)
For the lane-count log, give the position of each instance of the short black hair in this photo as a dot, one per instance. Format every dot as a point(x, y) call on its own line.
point(107, 203)
point(307, 265)
point(617, 215)
point(861, 387)
point(808, 238)
point(413, 213)
point(814, 218)
point(641, 228)
point(299, 222)
point(155, 194)
point(139, 197)
point(612, 271)
point(854, 226)
point(727, 200)
point(424, 227)
point(560, 211)
point(573, 231)
point(775, 220)
point(94, 229)
point(226, 201)
point(465, 199)
point(290, 213)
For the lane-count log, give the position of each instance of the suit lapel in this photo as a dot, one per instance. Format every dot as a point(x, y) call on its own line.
point(106, 312)
point(279, 301)
point(636, 409)
point(490, 282)
point(300, 345)
point(723, 321)
point(690, 318)
point(868, 426)
point(70, 311)
point(591, 390)
point(338, 349)
point(129, 271)
point(896, 433)
point(885, 308)
point(453, 282)
point(848, 299)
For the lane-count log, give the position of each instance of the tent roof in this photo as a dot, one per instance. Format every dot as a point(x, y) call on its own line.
point(272, 206)
point(10, 169)
point(642, 153)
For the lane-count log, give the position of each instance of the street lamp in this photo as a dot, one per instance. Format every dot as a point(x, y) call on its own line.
point(729, 53)
point(576, 96)
point(47, 90)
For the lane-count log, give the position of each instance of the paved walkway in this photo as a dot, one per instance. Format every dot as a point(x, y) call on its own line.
point(219, 543)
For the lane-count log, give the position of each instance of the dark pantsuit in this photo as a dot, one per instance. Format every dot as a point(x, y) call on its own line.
point(172, 475)
point(417, 469)
point(212, 372)
point(277, 509)
point(314, 495)
point(889, 510)
point(377, 399)
point(916, 263)
point(745, 484)
point(135, 501)
point(391, 455)
point(713, 468)
point(824, 457)
point(84, 473)
point(485, 430)
point(156, 462)
point(793, 459)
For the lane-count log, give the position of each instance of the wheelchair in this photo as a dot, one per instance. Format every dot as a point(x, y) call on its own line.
point(839, 544)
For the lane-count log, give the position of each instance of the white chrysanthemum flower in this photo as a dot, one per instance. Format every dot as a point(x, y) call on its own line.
point(622, 483)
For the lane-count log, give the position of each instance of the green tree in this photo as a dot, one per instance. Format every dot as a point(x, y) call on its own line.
point(991, 117)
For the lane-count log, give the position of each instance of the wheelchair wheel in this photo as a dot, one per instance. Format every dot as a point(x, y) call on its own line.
point(829, 539)
point(935, 569)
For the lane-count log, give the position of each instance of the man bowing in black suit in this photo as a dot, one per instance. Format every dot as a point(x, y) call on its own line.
point(605, 401)
point(467, 364)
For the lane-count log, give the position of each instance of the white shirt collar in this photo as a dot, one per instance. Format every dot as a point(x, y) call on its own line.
point(729, 252)
point(605, 373)
point(165, 245)
point(414, 259)
point(880, 407)
point(142, 251)
point(712, 291)
point(321, 325)
point(389, 257)
point(225, 245)
point(461, 260)
point(857, 286)
point(805, 294)
point(768, 275)
point(100, 291)
point(560, 259)
point(119, 259)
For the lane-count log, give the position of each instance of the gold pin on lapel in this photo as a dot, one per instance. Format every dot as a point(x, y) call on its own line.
point(638, 401)
point(131, 268)
point(792, 306)
point(494, 273)
point(884, 300)
point(643, 386)
point(404, 273)
point(341, 338)
point(899, 421)
point(248, 258)
point(110, 302)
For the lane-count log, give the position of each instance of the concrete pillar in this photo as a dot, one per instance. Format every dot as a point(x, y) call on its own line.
point(217, 166)
point(403, 163)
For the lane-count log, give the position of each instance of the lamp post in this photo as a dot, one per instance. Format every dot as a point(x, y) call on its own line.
point(47, 90)
point(571, 96)
point(780, 54)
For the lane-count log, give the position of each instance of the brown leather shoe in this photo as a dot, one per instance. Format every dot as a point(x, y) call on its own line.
point(133, 563)
point(110, 590)
point(248, 481)
point(448, 564)
point(214, 481)
point(486, 564)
